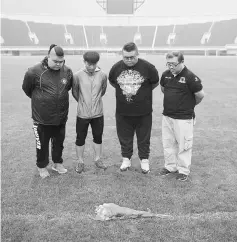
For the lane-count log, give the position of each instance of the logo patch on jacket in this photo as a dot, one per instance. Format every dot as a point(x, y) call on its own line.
point(64, 81)
point(182, 80)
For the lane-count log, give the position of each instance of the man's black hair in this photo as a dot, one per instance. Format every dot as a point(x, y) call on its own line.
point(131, 46)
point(58, 50)
point(91, 57)
point(177, 54)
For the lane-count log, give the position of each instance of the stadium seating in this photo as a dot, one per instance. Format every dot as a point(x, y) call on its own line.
point(162, 35)
point(48, 33)
point(93, 36)
point(19, 33)
point(147, 34)
point(14, 33)
point(77, 35)
point(190, 34)
point(117, 36)
point(223, 32)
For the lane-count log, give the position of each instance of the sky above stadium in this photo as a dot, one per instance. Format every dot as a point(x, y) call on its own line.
point(80, 8)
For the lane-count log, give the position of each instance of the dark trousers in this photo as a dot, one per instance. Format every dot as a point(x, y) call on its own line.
point(127, 126)
point(43, 133)
point(97, 127)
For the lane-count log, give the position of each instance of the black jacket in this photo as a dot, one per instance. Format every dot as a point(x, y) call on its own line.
point(48, 90)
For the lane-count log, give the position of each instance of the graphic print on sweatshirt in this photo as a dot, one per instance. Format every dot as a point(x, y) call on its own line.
point(130, 81)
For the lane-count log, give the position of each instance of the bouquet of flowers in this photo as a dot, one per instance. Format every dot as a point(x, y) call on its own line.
point(110, 211)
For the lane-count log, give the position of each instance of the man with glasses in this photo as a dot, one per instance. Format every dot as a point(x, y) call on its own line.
point(182, 92)
point(134, 79)
point(48, 84)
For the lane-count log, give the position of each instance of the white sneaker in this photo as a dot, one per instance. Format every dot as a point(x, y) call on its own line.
point(125, 164)
point(59, 168)
point(145, 166)
point(43, 172)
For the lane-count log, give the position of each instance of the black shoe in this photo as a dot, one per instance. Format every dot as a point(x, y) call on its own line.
point(182, 177)
point(80, 167)
point(99, 164)
point(164, 172)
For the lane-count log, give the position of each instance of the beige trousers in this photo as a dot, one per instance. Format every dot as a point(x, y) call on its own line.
point(177, 138)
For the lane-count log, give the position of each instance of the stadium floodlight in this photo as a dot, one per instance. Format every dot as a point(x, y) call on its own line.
point(137, 37)
point(68, 36)
point(33, 37)
point(2, 40)
point(207, 35)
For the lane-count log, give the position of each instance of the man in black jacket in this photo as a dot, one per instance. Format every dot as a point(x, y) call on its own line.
point(134, 79)
point(48, 84)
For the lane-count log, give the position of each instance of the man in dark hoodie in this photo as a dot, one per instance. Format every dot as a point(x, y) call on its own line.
point(48, 84)
point(134, 79)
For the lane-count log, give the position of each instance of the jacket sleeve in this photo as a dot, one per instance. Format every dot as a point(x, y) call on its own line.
point(70, 77)
point(28, 83)
point(75, 87)
point(104, 84)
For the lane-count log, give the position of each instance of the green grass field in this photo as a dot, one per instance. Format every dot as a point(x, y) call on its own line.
point(60, 208)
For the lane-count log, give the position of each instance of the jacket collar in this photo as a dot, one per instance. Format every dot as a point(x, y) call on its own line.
point(96, 70)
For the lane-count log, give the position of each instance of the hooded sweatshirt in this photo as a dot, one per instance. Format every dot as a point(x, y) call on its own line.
point(88, 89)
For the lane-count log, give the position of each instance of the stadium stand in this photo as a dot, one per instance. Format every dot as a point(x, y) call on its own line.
point(162, 35)
point(93, 36)
point(17, 33)
point(223, 32)
point(77, 35)
point(117, 36)
point(147, 34)
point(190, 34)
point(14, 33)
point(48, 33)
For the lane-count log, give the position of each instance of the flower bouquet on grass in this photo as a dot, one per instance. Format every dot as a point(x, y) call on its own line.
point(111, 211)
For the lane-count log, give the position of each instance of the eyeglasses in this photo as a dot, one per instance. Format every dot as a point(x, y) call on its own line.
point(172, 64)
point(129, 57)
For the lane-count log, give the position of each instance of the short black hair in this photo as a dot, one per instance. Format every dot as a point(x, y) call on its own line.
point(178, 54)
point(91, 57)
point(131, 46)
point(58, 50)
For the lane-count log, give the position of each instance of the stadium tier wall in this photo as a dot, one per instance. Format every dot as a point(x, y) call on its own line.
point(18, 34)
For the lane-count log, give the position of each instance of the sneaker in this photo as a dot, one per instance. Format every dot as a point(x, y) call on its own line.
point(99, 164)
point(43, 172)
point(165, 172)
point(126, 164)
point(145, 166)
point(59, 168)
point(182, 177)
point(80, 167)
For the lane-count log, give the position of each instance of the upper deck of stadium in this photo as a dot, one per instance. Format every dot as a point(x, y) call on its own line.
point(75, 25)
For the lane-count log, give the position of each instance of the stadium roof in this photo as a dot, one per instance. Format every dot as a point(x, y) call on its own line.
point(88, 12)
